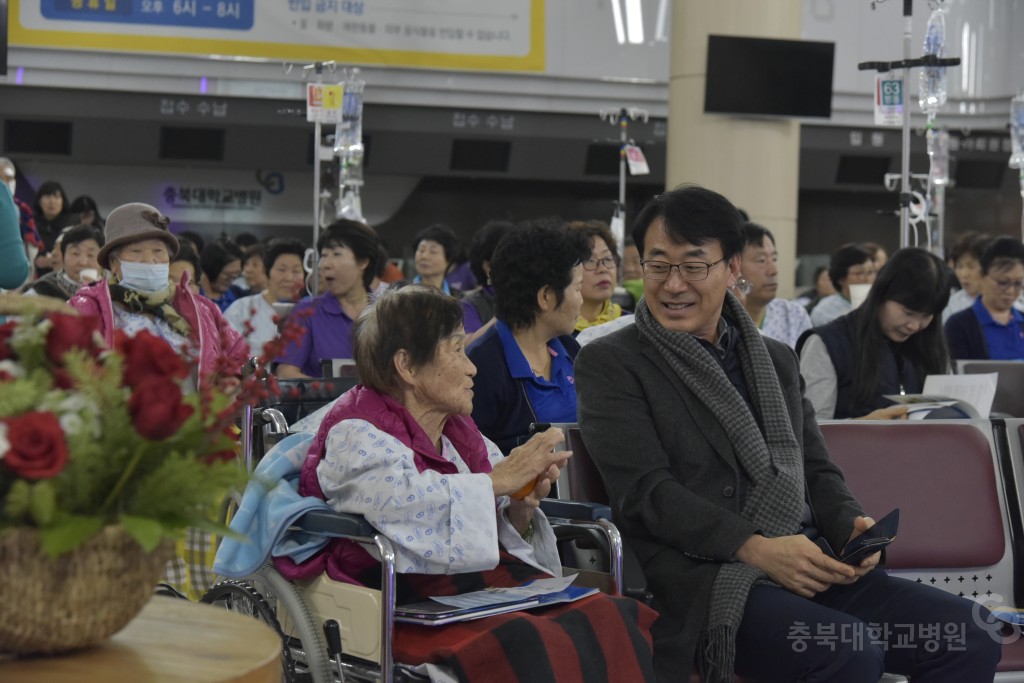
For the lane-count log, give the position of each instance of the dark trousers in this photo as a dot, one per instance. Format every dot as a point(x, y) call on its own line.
point(852, 634)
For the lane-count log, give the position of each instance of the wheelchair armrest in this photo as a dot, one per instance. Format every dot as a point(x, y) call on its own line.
point(332, 523)
point(571, 509)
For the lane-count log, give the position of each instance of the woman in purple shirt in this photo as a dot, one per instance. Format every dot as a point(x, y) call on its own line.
point(348, 261)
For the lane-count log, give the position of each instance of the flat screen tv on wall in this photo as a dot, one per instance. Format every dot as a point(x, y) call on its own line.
point(769, 77)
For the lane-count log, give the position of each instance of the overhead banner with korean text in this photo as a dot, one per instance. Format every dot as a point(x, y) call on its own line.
point(497, 35)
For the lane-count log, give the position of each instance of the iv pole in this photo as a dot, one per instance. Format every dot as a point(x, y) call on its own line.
point(316, 68)
point(622, 117)
point(906, 64)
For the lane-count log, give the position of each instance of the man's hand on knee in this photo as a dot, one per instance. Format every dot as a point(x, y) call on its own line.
point(795, 563)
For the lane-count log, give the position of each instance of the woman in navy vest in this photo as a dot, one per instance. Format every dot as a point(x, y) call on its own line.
point(887, 346)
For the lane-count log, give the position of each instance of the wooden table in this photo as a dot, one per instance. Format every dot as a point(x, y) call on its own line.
point(171, 640)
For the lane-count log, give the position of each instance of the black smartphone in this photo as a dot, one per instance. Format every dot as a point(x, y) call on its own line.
point(868, 543)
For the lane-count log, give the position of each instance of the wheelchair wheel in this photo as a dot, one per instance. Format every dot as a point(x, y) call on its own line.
point(308, 647)
point(243, 598)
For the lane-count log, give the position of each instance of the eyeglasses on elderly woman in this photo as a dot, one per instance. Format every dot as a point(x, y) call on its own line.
point(609, 262)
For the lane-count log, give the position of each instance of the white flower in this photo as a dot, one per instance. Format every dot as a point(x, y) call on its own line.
point(11, 369)
point(71, 423)
point(78, 413)
point(5, 445)
point(74, 403)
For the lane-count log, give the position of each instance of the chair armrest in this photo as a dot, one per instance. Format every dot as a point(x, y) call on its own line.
point(331, 523)
point(571, 509)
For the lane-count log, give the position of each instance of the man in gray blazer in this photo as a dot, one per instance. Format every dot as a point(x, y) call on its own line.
point(719, 478)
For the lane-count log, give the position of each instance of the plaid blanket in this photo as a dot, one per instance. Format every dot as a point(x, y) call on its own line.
point(191, 570)
point(595, 640)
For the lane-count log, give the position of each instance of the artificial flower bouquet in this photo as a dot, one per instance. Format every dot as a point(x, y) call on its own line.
point(91, 436)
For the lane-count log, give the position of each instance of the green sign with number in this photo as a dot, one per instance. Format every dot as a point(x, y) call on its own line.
point(892, 93)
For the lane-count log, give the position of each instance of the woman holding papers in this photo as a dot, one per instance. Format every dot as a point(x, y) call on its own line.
point(401, 450)
point(887, 346)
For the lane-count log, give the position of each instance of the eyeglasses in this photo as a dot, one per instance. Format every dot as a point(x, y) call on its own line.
point(1008, 285)
point(609, 262)
point(691, 271)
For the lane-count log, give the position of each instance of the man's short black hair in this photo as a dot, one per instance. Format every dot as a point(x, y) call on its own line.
point(1002, 252)
point(754, 234)
point(537, 254)
point(694, 215)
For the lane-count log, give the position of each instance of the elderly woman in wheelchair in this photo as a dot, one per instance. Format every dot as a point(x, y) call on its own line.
point(401, 450)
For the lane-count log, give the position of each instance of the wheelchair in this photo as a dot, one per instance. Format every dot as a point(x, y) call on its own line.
point(333, 631)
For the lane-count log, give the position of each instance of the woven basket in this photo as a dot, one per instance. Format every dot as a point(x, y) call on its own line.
point(79, 599)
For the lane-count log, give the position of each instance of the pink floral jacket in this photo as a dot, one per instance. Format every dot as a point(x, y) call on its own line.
point(211, 334)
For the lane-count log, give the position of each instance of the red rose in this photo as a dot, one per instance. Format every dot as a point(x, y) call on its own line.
point(156, 408)
point(62, 379)
point(38, 449)
point(146, 355)
point(6, 331)
point(72, 332)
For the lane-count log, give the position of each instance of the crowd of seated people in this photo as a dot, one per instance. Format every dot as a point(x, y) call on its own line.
point(703, 367)
point(887, 346)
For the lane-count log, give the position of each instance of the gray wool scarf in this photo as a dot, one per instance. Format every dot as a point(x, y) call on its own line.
point(773, 462)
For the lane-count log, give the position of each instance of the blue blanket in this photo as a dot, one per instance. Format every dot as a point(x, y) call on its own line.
point(271, 503)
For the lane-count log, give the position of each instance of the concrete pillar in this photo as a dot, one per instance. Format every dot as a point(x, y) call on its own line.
point(754, 162)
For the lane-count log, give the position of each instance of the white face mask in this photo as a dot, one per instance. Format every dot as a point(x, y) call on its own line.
point(12, 184)
point(145, 277)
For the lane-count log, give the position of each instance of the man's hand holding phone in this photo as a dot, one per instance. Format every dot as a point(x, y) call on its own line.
point(865, 543)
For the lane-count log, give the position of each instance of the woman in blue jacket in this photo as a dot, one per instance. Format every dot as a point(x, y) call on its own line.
point(524, 362)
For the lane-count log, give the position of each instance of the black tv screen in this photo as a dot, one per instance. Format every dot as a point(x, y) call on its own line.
point(769, 77)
